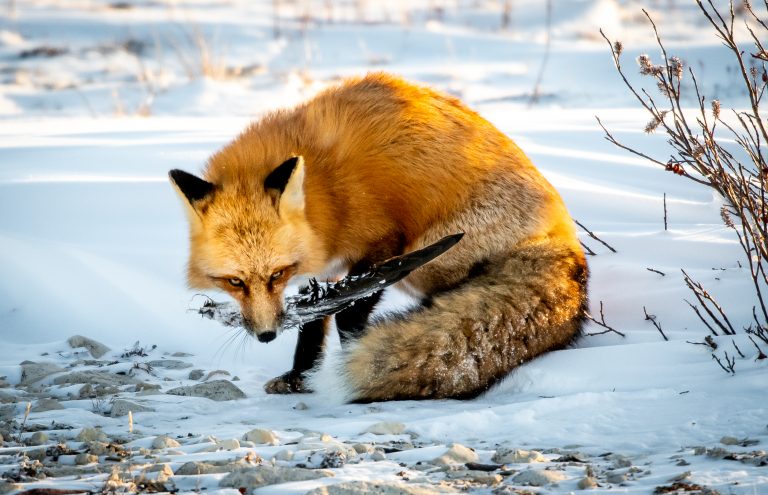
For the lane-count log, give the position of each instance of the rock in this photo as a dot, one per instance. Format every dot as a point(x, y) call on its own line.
point(483, 477)
point(34, 372)
point(456, 454)
point(258, 476)
point(39, 438)
point(729, 441)
point(97, 448)
point(94, 377)
point(229, 444)
point(164, 442)
point(363, 448)
point(386, 428)
point(334, 459)
point(83, 459)
point(300, 406)
point(681, 476)
point(91, 435)
point(378, 455)
point(1, 439)
point(615, 477)
point(89, 391)
point(7, 398)
point(587, 483)
point(218, 390)
point(533, 477)
point(170, 364)
point(214, 373)
point(4, 382)
point(284, 455)
point(516, 456)
point(36, 454)
point(379, 488)
point(261, 436)
point(43, 405)
point(194, 468)
point(181, 354)
point(6, 487)
point(196, 375)
point(97, 349)
point(120, 407)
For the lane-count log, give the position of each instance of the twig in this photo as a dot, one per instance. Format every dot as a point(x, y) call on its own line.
point(587, 249)
point(731, 363)
point(537, 86)
point(24, 421)
point(656, 324)
point(703, 296)
point(665, 212)
point(656, 271)
point(601, 323)
point(593, 236)
point(737, 348)
point(760, 353)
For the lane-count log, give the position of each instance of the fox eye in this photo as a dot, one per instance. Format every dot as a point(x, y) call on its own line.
point(235, 282)
point(277, 275)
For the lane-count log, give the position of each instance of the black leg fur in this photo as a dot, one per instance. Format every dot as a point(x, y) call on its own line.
point(351, 321)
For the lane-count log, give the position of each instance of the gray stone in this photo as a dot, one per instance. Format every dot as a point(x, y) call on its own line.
point(300, 406)
point(483, 477)
point(456, 454)
point(6, 487)
point(515, 456)
point(216, 372)
point(164, 442)
point(284, 455)
point(89, 391)
point(97, 448)
point(146, 387)
point(170, 364)
point(363, 448)
point(615, 477)
point(182, 354)
point(4, 382)
point(729, 441)
point(38, 438)
point(386, 428)
point(43, 405)
point(196, 468)
point(6, 398)
point(261, 436)
point(258, 476)
point(97, 349)
point(378, 455)
point(93, 377)
point(587, 483)
point(36, 454)
point(83, 459)
point(120, 407)
point(91, 435)
point(34, 372)
point(218, 390)
point(538, 478)
point(196, 374)
point(228, 444)
point(379, 488)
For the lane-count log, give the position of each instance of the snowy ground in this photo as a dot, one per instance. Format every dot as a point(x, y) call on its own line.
point(93, 243)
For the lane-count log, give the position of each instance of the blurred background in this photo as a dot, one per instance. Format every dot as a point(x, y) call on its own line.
point(143, 58)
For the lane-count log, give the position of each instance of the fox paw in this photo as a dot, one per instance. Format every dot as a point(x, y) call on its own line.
point(287, 383)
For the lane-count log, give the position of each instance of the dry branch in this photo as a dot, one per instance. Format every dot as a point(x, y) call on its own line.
point(601, 323)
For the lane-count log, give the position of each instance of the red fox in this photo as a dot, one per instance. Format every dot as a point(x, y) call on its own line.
point(370, 169)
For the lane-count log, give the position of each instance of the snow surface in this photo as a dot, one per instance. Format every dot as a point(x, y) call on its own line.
point(93, 238)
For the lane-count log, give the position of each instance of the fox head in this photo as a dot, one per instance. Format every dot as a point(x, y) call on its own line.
point(248, 238)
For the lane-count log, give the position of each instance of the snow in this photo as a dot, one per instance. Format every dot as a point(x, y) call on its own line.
point(93, 240)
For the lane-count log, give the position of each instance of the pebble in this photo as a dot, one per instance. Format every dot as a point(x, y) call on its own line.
point(120, 407)
point(229, 444)
point(284, 455)
point(615, 477)
point(4, 382)
point(456, 454)
point(181, 354)
point(379, 488)
point(32, 372)
point(261, 436)
point(378, 455)
point(194, 468)
point(170, 364)
point(164, 442)
point(91, 435)
point(43, 405)
point(196, 374)
point(216, 372)
point(300, 406)
point(97, 448)
point(83, 459)
point(533, 477)
point(729, 440)
point(38, 438)
point(258, 476)
point(7, 398)
point(483, 477)
point(96, 349)
point(218, 390)
point(363, 448)
point(587, 483)
point(146, 387)
point(94, 377)
point(516, 456)
point(386, 428)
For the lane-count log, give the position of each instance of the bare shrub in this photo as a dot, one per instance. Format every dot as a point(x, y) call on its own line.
point(701, 151)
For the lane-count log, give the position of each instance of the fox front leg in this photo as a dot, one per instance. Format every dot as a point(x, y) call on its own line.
point(309, 346)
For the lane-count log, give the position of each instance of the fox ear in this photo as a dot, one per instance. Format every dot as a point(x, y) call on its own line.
point(193, 188)
point(286, 183)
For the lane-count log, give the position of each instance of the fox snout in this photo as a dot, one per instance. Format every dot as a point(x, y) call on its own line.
point(264, 331)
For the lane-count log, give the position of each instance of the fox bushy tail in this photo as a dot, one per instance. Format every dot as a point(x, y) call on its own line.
point(464, 340)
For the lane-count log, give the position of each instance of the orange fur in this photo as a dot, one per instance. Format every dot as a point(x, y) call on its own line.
point(390, 167)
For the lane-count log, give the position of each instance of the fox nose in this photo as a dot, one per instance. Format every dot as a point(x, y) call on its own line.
point(266, 336)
